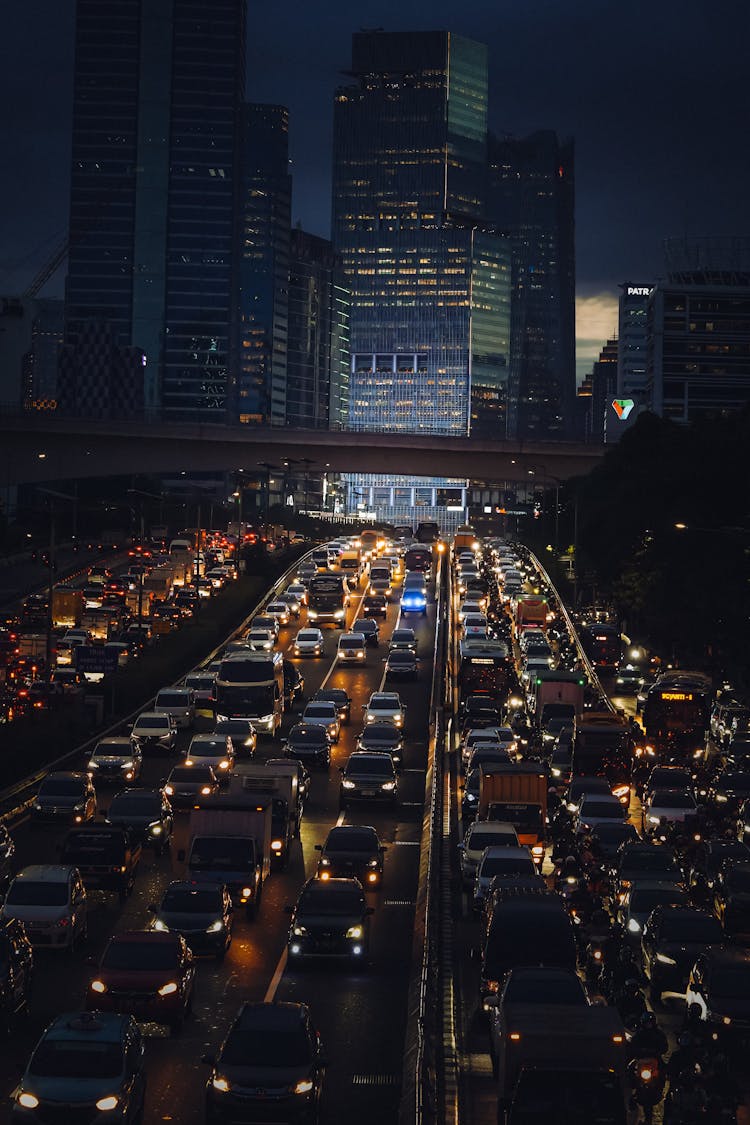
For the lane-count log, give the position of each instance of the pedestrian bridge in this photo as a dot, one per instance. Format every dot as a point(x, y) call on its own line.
point(46, 447)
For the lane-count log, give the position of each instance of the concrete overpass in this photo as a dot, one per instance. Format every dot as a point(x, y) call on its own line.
point(45, 447)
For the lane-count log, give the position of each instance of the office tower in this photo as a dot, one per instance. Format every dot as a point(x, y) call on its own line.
point(318, 357)
point(698, 329)
point(633, 341)
point(264, 265)
point(603, 390)
point(158, 88)
point(531, 198)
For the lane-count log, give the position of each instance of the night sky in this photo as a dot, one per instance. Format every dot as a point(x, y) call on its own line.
point(655, 93)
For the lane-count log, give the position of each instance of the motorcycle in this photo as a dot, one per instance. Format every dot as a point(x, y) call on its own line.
point(647, 1080)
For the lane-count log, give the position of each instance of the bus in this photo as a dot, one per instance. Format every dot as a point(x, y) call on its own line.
point(327, 599)
point(486, 666)
point(427, 532)
point(603, 747)
point(676, 715)
point(250, 685)
point(603, 646)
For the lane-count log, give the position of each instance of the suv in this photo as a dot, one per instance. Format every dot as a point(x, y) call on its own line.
point(116, 759)
point(178, 703)
point(152, 730)
point(16, 963)
point(65, 796)
point(50, 900)
point(88, 1063)
point(146, 813)
point(106, 856)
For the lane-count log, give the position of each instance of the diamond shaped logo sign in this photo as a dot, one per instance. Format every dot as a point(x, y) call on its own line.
point(622, 407)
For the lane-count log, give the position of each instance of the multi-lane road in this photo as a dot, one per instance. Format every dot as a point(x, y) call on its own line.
point(361, 1014)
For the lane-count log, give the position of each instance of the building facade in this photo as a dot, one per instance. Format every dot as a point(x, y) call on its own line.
point(158, 88)
point(531, 186)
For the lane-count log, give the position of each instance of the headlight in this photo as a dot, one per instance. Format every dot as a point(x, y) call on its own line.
point(346, 784)
point(665, 960)
point(325, 862)
point(372, 863)
point(161, 926)
point(220, 1083)
point(216, 926)
point(266, 719)
point(276, 845)
point(127, 766)
point(168, 989)
point(109, 1102)
point(206, 790)
point(721, 797)
point(27, 1100)
point(355, 932)
point(168, 790)
point(304, 1086)
point(653, 820)
point(299, 931)
point(98, 986)
point(155, 829)
point(389, 785)
point(224, 764)
point(634, 927)
point(93, 765)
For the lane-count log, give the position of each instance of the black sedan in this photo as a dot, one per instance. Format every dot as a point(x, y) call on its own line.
point(673, 938)
point(309, 743)
point(384, 738)
point(375, 605)
point(330, 919)
point(202, 913)
point(401, 664)
point(146, 812)
point(352, 850)
point(368, 777)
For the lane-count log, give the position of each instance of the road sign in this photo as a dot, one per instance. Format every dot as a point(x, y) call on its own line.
point(96, 659)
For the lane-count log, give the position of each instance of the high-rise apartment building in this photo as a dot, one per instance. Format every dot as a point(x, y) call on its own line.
point(317, 389)
point(158, 90)
point(264, 265)
point(530, 197)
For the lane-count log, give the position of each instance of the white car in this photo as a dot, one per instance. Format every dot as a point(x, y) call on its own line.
point(50, 900)
point(352, 648)
point(467, 609)
point(298, 590)
point(480, 835)
point(308, 642)
point(385, 706)
point(214, 750)
point(503, 737)
point(674, 805)
point(279, 610)
point(597, 808)
point(177, 702)
point(265, 621)
point(323, 713)
point(260, 640)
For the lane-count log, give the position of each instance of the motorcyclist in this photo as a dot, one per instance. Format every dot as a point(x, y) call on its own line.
point(649, 1041)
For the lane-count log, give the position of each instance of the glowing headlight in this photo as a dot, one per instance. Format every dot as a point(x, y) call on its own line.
point(109, 1102)
point(224, 764)
point(372, 863)
point(27, 1100)
point(299, 931)
point(276, 845)
point(98, 986)
point(168, 989)
point(665, 960)
point(355, 932)
point(206, 790)
point(220, 1083)
point(155, 829)
point(325, 862)
point(162, 927)
point(246, 892)
point(304, 1086)
point(634, 927)
point(389, 785)
point(346, 784)
point(215, 927)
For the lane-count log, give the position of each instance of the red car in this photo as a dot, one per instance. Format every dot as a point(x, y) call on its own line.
point(146, 974)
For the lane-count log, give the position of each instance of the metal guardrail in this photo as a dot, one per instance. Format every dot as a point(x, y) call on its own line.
point(17, 791)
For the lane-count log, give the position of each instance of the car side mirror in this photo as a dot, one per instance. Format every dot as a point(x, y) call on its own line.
point(181, 855)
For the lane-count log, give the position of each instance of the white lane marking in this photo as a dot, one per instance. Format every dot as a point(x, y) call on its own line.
point(276, 978)
point(340, 819)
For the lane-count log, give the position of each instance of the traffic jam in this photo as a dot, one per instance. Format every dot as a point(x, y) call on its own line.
point(211, 918)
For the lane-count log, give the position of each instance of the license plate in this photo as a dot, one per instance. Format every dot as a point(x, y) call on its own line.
point(368, 792)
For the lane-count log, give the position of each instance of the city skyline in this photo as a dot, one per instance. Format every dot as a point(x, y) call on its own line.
point(654, 132)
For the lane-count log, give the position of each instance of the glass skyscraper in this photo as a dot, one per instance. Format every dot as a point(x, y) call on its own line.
point(158, 89)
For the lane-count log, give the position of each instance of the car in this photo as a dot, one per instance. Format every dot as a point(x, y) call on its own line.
point(214, 750)
point(292, 602)
point(303, 777)
point(628, 680)
point(729, 790)
point(260, 640)
point(608, 837)
point(469, 608)
point(85, 1066)
point(732, 899)
point(488, 753)
point(178, 703)
point(66, 797)
point(374, 605)
point(531, 985)
point(385, 706)
point(116, 759)
point(308, 642)
point(152, 731)
point(7, 858)
point(368, 777)
point(201, 912)
point(671, 805)
point(298, 591)
point(666, 777)
point(414, 597)
point(478, 836)
point(330, 919)
point(382, 737)
point(266, 621)
point(309, 742)
point(644, 862)
point(561, 766)
point(402, 639)
point(352, 649)
point(597, 808)
point(470, 736)
point(719, 983)
point(242, 733)
point(50, 900)
point(323, 713)
point(145, 974)
point(340, 698)
point(401, 664)
point(500, 861)
point(368, 627)
point(16, 968)
point(673, 937)
point(580, 786)
point(68, 682)
point(187, 784)
point(352, 850)
point(271, 1046)
point(641, 898)
point(470, 795)
point(107, 857)
point(146, 812)
point(281, 611)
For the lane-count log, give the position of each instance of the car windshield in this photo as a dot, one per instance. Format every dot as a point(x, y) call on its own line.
point(112, 749)
point(153, 722)
point(75, 1058)
point(614, 833)
point(664, 799)
point(646, 899)
point(320, 711)
point(307, 635)
point(382, 734)
point(301, 735)
point(350, 840)
point(145, 955)
point(267, 1048)
point(384, 705)
point(479, 840)
point(190, 773)
point(365, 766)
point(61, 787)
point(171, 699)
point(350, 643)
point(200, 682)
point(208, 749)
point(24, 892)
point(233, 726)
point(691, 928)
point(525, 988)
point(502, 865)
point(322, 898)
point(192, 900)
point(126, 805)
point(602, 808)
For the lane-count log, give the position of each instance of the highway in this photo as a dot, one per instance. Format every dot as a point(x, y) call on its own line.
point(362, 1015)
